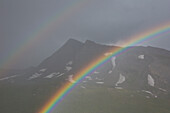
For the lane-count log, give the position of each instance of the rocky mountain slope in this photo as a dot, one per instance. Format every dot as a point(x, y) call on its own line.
point(143, 70)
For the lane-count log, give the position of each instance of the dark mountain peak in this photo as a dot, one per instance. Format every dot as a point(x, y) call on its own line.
point(70, 44)
point(63, 55)
point(73, 41)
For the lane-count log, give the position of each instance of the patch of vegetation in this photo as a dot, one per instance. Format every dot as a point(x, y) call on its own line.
point(108, 100)
point(94, 99)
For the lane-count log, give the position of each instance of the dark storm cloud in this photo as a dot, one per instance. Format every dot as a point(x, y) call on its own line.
point(104, 21)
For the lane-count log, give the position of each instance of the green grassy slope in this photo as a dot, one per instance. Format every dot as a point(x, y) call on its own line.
point(104, 100)
point(94, 99)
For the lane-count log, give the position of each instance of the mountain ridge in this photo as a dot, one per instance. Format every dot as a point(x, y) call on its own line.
point(139, 72)
point(137, 60)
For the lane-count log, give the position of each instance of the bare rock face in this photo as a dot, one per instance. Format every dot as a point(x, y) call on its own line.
point(143, 70)
point(138, 68)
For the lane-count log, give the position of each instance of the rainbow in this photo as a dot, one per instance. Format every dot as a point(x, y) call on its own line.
point(134, 40)
point(48, 25)
point(58, 19)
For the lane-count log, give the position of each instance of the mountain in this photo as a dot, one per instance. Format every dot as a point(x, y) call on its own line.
point(140, 72)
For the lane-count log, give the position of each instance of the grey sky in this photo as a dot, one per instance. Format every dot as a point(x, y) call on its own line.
point(103, 21)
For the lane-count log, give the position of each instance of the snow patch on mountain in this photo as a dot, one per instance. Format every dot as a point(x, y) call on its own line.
point(71, 79)
point(150, 93)
point(70, 63)
point(108, 54)
point(98, 78)
point(59, 74)
point(162, 89)
point(88, 77)
point(121, 79)
point(36, 75)
point(141, 57)
point(151, 80)
point(51, 75)
point(99, 82)
point(68, 68)
point(5, 78)
point(113, 61)
point(110, 71)
point(147, 92)
point(118, 87)
point(96, 72)
point(42, 70)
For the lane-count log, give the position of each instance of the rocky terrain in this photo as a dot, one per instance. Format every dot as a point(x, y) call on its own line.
point(141, 74)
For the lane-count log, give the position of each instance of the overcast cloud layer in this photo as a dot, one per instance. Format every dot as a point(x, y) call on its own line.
point(103, 21)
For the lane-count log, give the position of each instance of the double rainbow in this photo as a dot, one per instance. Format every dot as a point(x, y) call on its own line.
point(134, 40)
point(58, 19)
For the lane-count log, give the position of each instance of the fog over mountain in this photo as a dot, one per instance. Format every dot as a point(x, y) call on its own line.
point(107, 22)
